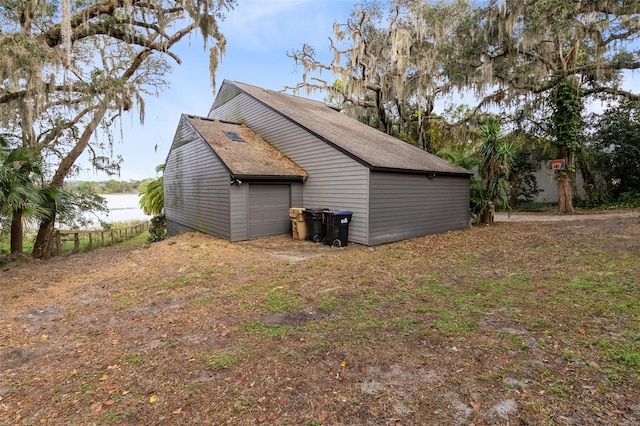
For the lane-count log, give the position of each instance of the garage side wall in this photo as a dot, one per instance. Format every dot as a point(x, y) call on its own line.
point(335, 180)
point(196, 187)
point(240, 208)
point(407, 206)
point(238, 195)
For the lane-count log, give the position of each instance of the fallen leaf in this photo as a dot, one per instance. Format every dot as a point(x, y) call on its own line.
point(153, 399)
point(111, 388)
point(109, 403)
point(177, 411)
point(104, 377)
point(112, 367)
point(474, 405)
point(343, 364)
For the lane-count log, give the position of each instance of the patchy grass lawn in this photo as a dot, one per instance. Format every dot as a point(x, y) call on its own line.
point(518, 323)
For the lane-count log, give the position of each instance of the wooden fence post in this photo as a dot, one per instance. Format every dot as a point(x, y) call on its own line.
point(116, 235)
point(58, 244)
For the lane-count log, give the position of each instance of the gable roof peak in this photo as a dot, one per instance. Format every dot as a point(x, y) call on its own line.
point(367, 145)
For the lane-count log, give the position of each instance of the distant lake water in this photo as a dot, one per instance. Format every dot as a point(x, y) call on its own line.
point(123, 208)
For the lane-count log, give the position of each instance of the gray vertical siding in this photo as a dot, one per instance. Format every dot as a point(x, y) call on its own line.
point(335, 181)
point(239, 199)
point(406, 206)
point(196, 186)
point(296, 195)
point(239, 219)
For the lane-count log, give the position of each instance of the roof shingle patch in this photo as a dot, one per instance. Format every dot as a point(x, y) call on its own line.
point(374, 148)
point(253, 157)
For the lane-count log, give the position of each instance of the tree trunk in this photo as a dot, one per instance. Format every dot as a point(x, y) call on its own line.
point(567, 126)
point(565, 188)
point(42, 246)
point(17, 231)
point(565, 194)
point(488, 215)
point(382, 114)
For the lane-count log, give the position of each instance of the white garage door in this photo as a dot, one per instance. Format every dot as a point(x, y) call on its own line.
point(268, 210)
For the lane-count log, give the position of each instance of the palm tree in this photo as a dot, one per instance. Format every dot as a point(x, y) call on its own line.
point(152, 194)
point(152, 202)
point(18, 192)
point(496, 155)
point(462, 155)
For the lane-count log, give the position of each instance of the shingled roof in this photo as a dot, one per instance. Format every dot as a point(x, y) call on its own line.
point(373, 148)
point(249, 157)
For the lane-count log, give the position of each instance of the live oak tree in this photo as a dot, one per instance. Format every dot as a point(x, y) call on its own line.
point(388, 62)
point(526, 57)
point(554, 56)
point(69, 69)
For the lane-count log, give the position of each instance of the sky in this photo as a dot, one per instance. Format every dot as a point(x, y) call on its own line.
point(259, 34)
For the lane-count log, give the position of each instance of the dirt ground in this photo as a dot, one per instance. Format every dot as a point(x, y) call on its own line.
point(196, 330)
point(545, 217)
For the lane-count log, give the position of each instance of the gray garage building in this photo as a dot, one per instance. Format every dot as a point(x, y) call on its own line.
point(235, 173)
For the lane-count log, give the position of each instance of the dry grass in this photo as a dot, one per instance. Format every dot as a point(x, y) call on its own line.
point(518, 323)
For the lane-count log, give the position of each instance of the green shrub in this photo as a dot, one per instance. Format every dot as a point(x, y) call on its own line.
point(158, 228)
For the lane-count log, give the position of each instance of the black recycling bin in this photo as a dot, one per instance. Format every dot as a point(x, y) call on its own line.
point(337, 227)
point(314, 219)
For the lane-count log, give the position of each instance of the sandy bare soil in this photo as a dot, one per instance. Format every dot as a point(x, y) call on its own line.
point(545, 217)
point(518, 323)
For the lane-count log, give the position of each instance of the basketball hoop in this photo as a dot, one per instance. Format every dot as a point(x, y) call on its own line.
point(556, 165)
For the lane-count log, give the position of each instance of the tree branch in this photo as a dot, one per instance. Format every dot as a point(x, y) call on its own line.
point(53, 37)
point(611, 91)
point(613, 65)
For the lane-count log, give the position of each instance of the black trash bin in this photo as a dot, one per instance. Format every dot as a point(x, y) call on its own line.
point(337, 227)
point(314, 219)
